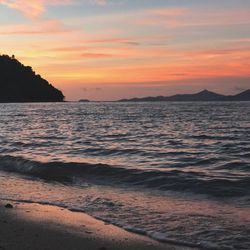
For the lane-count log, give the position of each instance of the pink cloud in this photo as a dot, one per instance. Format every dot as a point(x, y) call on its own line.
point(112, 41)
point(95, 55)
point(38, 28)
point(183, 17)
point(169, 12)
point(101, 2)
point(33, 9)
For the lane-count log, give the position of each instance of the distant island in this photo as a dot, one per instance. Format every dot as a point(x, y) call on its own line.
point(205, 95)
point(84, 100)
point(19, 83)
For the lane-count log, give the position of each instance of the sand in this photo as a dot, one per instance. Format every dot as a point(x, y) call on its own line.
point(41, 227)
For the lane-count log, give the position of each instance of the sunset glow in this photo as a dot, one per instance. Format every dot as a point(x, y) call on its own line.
point(111, 49)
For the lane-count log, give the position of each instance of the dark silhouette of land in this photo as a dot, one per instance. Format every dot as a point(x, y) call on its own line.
point(84, 100)
point(205, 95)
point(19, 83)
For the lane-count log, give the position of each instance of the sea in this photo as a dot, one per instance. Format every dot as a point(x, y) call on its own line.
point(176, 172)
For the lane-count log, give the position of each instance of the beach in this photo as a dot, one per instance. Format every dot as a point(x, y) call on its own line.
point(33, 226)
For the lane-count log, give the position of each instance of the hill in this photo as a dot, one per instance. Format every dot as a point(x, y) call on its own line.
point(203, 96)
point(19, 83)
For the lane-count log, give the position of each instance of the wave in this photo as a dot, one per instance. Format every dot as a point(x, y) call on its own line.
point(214, 137)
point(172, 180)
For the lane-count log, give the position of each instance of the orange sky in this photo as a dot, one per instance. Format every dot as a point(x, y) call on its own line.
point(106, 50)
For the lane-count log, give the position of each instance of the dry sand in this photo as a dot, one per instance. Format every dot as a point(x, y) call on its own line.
point(40, 227)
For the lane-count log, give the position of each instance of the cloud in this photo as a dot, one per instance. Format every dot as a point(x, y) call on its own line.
point(95, 55)
point(169, 12)
point(100, 2)
point(33, 9)
point(38, 28)
point(184, 17)
point(113, 41)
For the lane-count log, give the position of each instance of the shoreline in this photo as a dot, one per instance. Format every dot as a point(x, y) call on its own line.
point(29, 225)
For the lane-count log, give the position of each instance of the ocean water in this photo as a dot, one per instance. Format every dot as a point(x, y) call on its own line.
point(177, 172)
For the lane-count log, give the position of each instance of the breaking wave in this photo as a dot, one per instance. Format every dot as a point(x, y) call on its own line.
point(172, 180)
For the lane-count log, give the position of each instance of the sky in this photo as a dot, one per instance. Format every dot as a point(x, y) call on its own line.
point(113, 49)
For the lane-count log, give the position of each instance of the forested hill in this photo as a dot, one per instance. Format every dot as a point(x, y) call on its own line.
point(19, 83)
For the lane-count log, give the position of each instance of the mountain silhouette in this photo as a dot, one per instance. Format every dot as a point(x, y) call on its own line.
point(205, 96)
point(84, 100)
point(19, 83)
point(243, 96)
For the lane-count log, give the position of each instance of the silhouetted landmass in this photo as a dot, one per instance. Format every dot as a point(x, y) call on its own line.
point(19, 83)
point(84, 100)
point(204, 95)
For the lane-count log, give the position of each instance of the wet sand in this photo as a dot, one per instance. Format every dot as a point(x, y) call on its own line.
point(42, 227)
